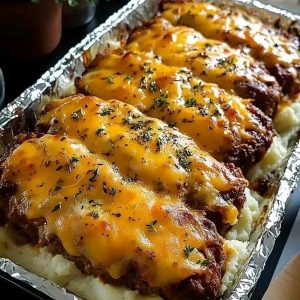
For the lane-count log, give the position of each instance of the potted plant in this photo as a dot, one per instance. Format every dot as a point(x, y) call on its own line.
point(28, 29)
point(31, 29)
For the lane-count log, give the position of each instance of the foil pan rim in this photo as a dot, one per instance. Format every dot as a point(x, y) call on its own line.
point(264, 244)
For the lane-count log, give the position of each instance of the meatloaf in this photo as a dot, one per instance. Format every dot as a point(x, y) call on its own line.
point(230, 128)
point(277, 49)
point(146, 150)
point(211, 60)
point(59, 194)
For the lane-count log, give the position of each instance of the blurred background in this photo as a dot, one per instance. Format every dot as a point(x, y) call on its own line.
point(34, 36)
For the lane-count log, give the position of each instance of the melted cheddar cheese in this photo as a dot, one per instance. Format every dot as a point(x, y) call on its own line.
point(145, 150)
point(211, 60)
point(98, 215)
point(174, 95)
point(237, 27)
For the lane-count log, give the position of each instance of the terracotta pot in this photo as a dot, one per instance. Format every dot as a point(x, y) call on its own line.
point(74, 16)
point(30, 30)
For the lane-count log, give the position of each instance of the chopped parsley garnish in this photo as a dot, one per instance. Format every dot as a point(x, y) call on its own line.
point(217, 112)
point(72, 161)
point(160, 141)
point(196, 88)
point(56, 207)
point(188, 250)
point(95, 175)
point(100, 131)
point(202, 110)
point(147, 68)
point(143, 84)
point(150, 226)
point(160, 101)
point(145, 137)
point(138, 125)
point(182, 157)
point(77, 114)
point(109, 79)
point(152, 87)
point(129, 78)
point(209, 101)
point(228, 63)
point(192, 102)
point(204, 262)
point(94, 203)
point(94, 214)
point(106, 111)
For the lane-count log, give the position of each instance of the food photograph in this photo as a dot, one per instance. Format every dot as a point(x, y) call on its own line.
point(149, 149)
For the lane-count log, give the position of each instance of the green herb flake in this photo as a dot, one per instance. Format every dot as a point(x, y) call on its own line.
point(72, 162)
point(197, 87)
point(217, 112)
point(100, 131)
point(106, 111)
point(151, 227)
point(143, 83)
point(204, 262)
point(77, 114)
point(188, 250)
point(182, 157)
point(160, 101)
point(128, 78)
point(152, 87)
point(192, 102)
point(94, 203)
point(160, 142)
point(94, 214)
point(109, 79)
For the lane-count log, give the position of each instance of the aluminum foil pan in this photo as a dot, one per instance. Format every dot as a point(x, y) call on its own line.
point(58, 81)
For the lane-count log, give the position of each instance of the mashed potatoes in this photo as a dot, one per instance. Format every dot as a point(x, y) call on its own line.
point(64, 272)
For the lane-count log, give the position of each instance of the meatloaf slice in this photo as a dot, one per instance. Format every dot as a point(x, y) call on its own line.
point(211, 60)
point(77, 204)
